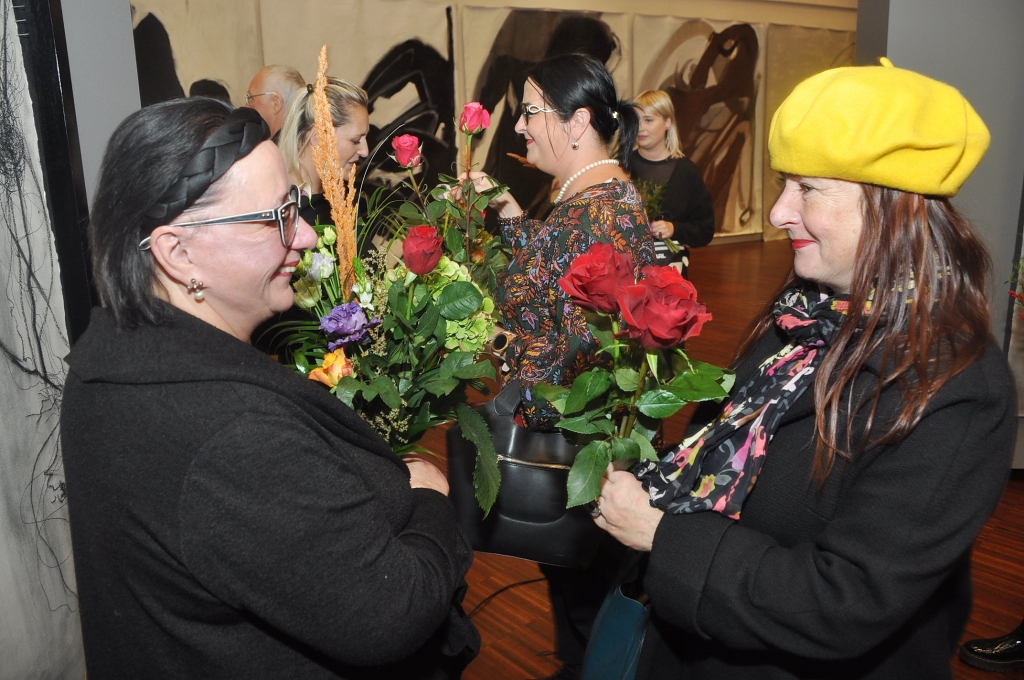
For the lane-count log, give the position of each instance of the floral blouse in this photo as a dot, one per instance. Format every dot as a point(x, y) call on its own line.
point(552, 343)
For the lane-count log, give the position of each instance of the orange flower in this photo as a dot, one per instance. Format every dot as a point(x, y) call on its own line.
point(335, 367)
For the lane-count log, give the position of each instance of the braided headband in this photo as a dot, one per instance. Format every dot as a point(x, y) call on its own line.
point(241, 132)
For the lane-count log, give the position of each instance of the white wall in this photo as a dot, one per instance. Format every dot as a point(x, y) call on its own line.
point(976, 47)
point(104, 81)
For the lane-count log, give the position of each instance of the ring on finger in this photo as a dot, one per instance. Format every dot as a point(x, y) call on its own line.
point(594, 507)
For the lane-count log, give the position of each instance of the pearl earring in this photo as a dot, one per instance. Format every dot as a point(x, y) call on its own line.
point(195, 290)
point(575, 146)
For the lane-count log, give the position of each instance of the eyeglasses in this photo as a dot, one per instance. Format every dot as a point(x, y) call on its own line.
point(287, 218)
point(250, 97)
point(528, 110)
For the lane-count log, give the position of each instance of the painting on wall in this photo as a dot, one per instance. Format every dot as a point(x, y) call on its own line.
point(714, 73)
point(499, 46)
point(794, 54)
point(38, 601)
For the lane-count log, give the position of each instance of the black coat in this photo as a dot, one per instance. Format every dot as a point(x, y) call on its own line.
point(231, 519)
point(867, 576)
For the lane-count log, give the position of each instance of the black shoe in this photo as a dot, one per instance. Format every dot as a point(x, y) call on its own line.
point(569, 671)
point(995, 654)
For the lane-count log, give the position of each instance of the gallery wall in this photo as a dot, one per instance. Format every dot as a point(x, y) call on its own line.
point(710, 56)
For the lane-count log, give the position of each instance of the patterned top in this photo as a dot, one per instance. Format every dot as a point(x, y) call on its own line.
point(552, 343)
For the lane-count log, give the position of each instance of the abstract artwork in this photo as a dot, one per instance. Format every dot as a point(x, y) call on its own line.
point(38, 603)
point(714, 73)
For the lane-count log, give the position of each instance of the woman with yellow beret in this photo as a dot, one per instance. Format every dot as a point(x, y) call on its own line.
point(819, 524)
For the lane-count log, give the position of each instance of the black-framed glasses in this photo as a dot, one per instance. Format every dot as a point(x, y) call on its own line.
point(528, 110)
point(287, 218)
point(250, 97)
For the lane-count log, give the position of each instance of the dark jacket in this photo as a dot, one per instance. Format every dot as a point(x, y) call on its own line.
point(865, 577)
point(231, 519)
point(686, 202)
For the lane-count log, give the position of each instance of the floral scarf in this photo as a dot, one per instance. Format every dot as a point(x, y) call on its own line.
point(715, 469)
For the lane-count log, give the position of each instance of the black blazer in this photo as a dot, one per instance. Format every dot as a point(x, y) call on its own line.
point(865, 577)
point(232, 519)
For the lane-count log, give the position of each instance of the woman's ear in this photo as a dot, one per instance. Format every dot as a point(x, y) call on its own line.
point(170, 248)
point(579, 123)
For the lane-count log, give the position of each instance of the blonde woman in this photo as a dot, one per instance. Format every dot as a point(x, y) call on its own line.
point(679, 205)
point(351, 124)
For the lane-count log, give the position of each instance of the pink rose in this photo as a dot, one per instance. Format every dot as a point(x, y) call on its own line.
point(407, 150)
point(474, 118)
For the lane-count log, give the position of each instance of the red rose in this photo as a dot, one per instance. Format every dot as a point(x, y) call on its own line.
point(407, 150)
point(595, 278)
point(661, 311)
point(474, 118)
point(421, 249)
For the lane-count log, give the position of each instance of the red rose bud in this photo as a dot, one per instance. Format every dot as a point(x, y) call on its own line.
point(407, 150)
point(595, 278)
point(661, 311)
point(474, 118)
point(421, 250)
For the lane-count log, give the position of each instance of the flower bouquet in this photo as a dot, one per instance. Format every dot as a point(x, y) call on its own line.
point(398, 335)
point(617, 407)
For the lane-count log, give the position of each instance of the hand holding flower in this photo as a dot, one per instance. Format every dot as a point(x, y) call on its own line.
point(626, 511)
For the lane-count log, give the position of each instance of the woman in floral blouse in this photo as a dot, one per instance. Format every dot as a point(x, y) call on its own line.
point(570, 118)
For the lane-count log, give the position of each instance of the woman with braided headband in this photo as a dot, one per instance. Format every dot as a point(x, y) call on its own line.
point(819, 525)
point(231, 519)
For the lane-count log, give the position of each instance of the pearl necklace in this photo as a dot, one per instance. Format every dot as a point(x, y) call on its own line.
point(583, 170)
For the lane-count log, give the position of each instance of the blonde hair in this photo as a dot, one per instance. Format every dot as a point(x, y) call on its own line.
point(658, 103)
point(297, 128)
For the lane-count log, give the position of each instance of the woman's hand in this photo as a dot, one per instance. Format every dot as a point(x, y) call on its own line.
point(424, 475)
point(505, 204)
point(662, 229)
point(626, 511)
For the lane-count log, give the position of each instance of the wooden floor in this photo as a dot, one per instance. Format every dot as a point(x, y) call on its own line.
point(734, 281)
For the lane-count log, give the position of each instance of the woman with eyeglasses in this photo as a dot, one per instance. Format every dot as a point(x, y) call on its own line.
point(230, 518)
point(351, 120)
point(572, 119)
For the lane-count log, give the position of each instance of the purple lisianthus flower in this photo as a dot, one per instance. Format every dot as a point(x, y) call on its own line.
point(349, 323)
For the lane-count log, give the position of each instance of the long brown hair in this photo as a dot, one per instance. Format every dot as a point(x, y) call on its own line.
point(923, 266)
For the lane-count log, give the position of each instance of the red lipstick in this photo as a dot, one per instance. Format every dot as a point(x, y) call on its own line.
point(799, 243)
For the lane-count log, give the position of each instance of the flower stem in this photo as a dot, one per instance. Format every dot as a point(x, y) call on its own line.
point(419, 194)
point(631, 419)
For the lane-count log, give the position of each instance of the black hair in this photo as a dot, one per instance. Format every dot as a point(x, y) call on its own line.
point(577, 81)
point(144, 158)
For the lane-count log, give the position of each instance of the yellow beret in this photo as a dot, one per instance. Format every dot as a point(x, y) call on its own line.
point(878, 125)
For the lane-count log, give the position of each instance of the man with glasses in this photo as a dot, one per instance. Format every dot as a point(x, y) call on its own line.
point(271, 91)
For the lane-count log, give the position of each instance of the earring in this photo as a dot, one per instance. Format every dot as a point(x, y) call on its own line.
point(575, 146)
point(195, 290)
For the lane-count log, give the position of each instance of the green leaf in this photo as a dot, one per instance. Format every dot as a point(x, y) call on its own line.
point(396, 300)
point(453, 362)
point(587, 424)
point(555, 394)
point(435, 209)
point(652, 361)
point(587, 386)
point(459, 300)
point(647, 451)
point(625, 449)
point(481, 369)
point(439, 386)
point(453, 238)
point(647, 427)
point(627, 379)
point(604, 336)
point(486, 475)
point(386, 391)
point(347, 389)
point(659, 403)
point(584, 483)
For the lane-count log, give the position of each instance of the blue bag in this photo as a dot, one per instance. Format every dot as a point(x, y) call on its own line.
point(613, 650)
